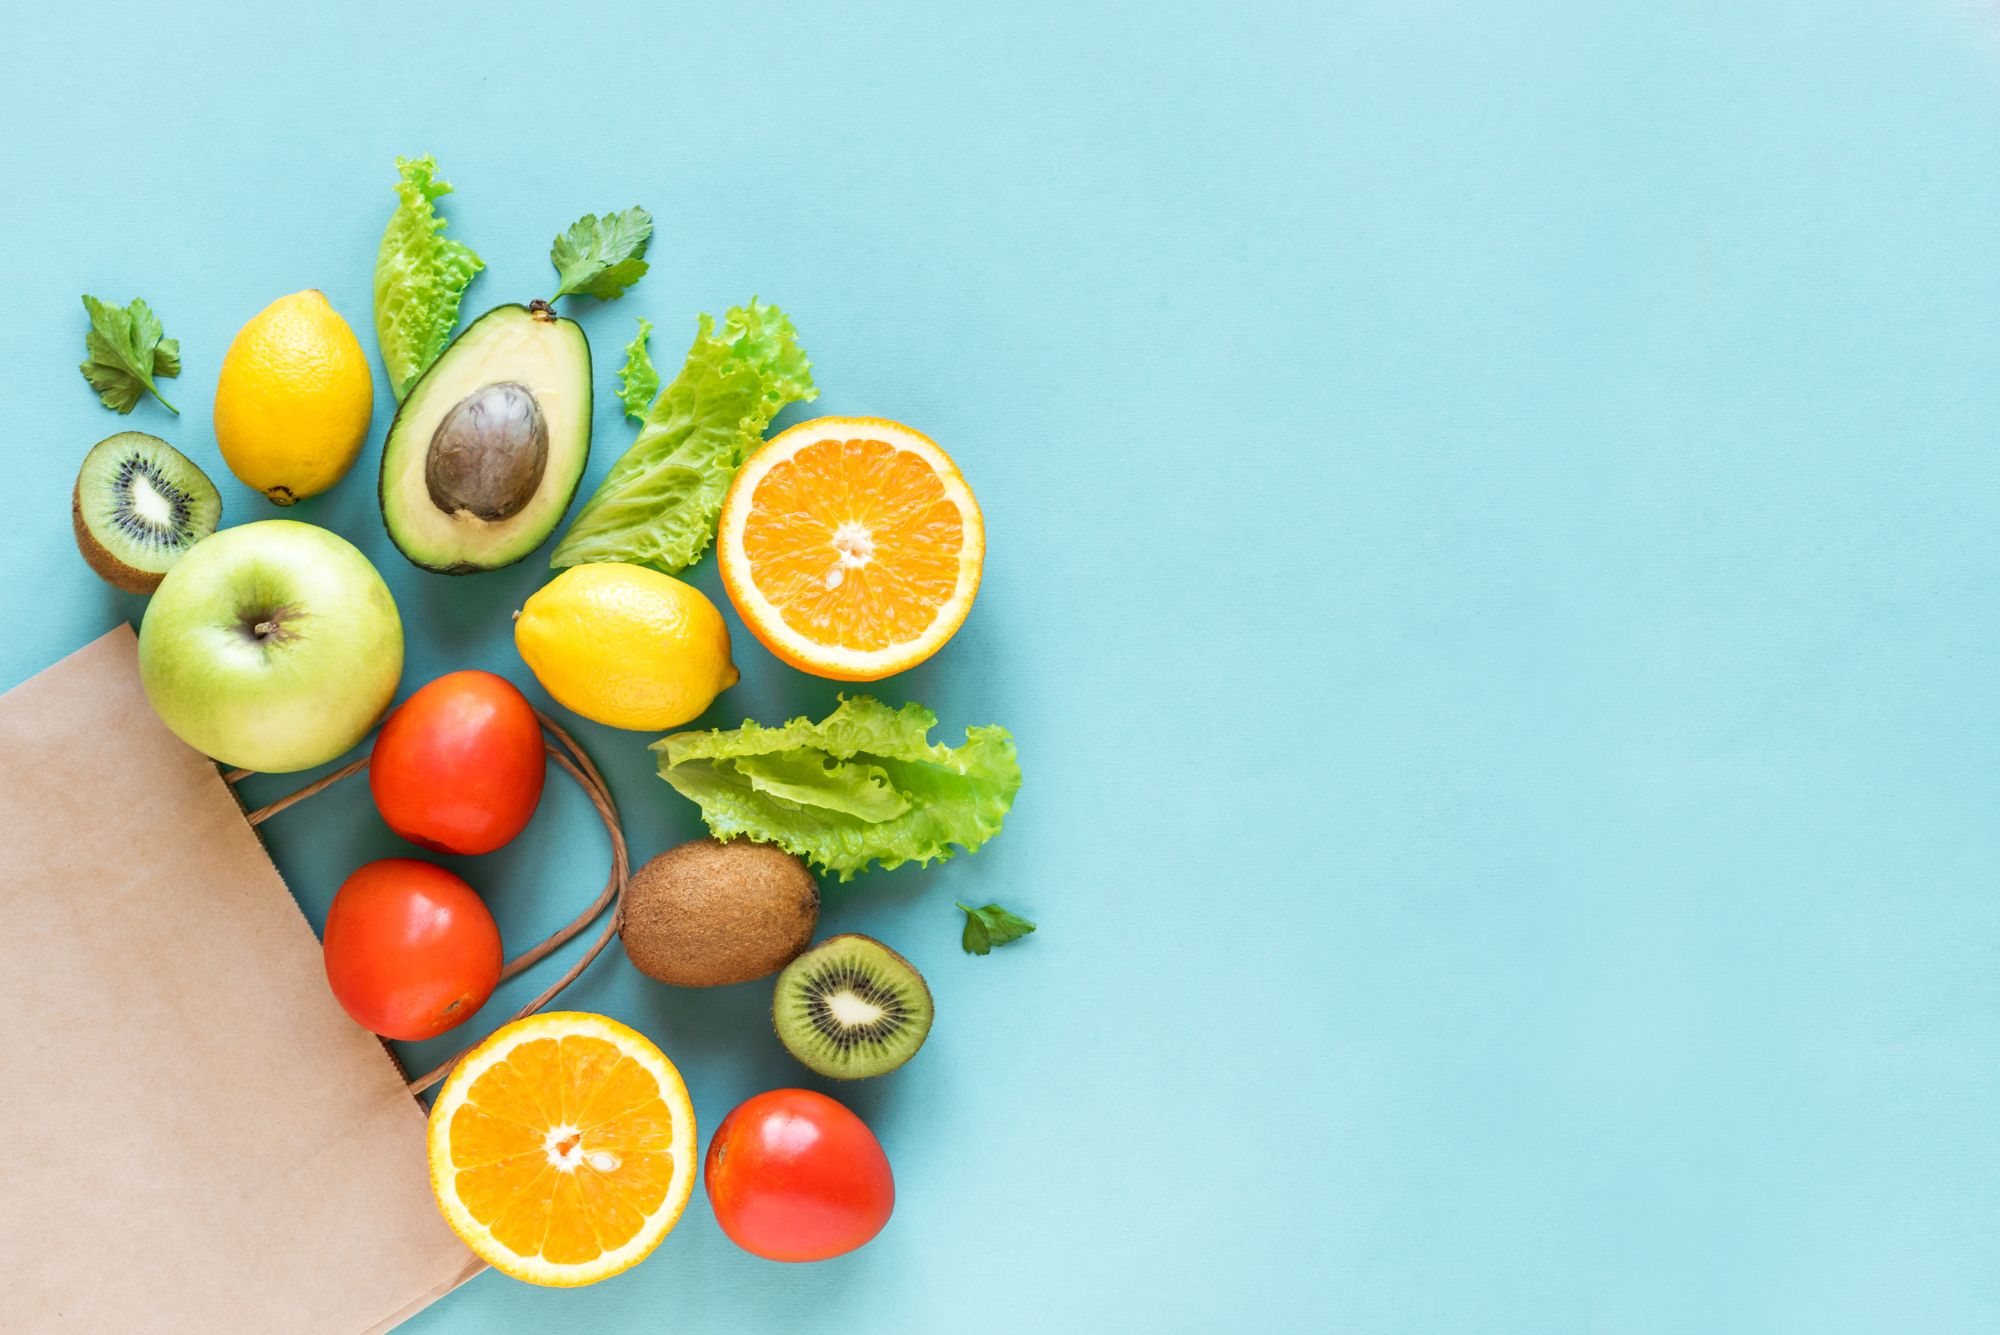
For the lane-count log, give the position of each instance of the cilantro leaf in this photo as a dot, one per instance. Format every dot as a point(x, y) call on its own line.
point(638, 381)
point(128, 348)
point(601, 257)
point(991, 926)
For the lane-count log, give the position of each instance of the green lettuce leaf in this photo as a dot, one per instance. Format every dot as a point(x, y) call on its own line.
point(865, 784)
point(658, 504)
point(638, 382)
point(419, 277)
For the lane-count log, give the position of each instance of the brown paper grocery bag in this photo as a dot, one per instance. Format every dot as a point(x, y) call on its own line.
point(198, 1138)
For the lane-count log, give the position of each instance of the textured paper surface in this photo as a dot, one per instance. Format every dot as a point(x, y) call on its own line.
point(199, 1139)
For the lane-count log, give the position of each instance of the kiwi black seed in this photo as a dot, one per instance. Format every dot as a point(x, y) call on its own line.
point(851, 1008)
point(706, 913)
point(138, 504)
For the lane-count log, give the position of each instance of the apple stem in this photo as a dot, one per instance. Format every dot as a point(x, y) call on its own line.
point(265, 628)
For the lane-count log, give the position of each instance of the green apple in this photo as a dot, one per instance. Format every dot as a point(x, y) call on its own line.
point(271, 646)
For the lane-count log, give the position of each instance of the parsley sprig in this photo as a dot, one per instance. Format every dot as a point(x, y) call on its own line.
point(128, 350)
point(601, 257)
point(991, 926)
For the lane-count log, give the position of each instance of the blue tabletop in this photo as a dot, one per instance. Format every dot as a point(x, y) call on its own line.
point(1492, 572)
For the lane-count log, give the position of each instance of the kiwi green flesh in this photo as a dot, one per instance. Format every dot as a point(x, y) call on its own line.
point(138, 504)
point(851, 1008)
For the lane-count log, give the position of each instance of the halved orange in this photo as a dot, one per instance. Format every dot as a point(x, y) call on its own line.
point(562, 1148)
point(851, 547)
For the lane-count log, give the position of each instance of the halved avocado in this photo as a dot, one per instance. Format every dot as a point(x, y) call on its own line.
point(489, 444)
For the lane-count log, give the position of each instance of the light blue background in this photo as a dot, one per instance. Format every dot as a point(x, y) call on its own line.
point(1493, 572)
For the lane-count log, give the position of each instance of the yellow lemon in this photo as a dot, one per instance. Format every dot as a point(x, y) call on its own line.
point(626, 646)
point(293, 400)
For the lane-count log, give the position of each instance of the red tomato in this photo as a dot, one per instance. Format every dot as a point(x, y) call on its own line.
point(411, 950)
point(795, 1176)
point(459, 767)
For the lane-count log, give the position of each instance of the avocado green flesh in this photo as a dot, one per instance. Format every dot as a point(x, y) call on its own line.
point(507, 345)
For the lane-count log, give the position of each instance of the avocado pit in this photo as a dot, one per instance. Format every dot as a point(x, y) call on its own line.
point(488, 454)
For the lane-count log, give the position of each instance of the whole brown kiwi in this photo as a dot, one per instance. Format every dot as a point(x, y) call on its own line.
point(706, 914)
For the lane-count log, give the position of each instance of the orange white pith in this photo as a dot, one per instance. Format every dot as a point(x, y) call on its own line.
point(851, 547)
point(562, 1149)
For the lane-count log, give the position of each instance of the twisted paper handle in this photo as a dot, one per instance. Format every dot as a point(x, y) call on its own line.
point(562, 749)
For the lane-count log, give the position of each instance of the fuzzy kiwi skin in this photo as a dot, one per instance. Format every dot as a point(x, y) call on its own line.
point(707, 914)
point(108, 567)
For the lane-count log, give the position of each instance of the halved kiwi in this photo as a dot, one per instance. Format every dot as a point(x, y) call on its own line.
point(851, 1007)
point(138, 504)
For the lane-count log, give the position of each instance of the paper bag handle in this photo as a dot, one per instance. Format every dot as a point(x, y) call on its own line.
point(562, 749)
